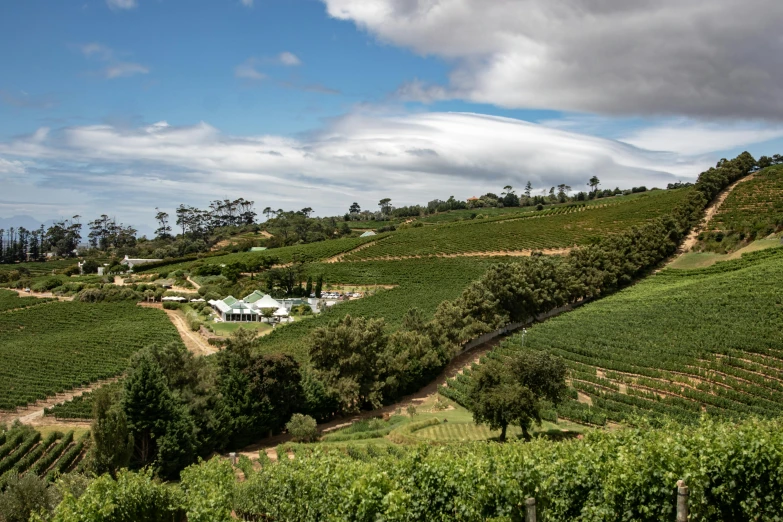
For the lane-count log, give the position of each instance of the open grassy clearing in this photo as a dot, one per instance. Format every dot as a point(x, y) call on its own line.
point(679, 343)
point(52, 348)
point(554, 228)
point(226, 329)
point(694, 260)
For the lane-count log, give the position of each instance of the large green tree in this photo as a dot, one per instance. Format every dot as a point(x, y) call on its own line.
point(163, 431)
point(510, 391)
point(112, 442)
point(346, 355)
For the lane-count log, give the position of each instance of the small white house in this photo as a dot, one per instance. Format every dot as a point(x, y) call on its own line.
point(130, 263)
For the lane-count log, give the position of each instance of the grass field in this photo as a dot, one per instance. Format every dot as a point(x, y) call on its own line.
point(680, 343)
point(226, 329)
point(51, 348)
point(560, 227)
point(693, 260)
point(40, 268)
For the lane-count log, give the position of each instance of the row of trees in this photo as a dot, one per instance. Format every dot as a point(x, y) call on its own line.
point(20, 245)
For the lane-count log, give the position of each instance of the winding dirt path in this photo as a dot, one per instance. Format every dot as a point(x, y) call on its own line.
point(712, 209)
point(34, 413)
point(339, 257)
point(194, 341)
point(496, 253)
point(41, 295)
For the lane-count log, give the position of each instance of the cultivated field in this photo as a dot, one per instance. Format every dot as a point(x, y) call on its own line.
point(680, 343)
point(755, 207)
point(50, 348)
point(552, 228)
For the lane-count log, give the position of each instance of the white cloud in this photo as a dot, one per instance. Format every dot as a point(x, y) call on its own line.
point(248, 70)
point(122, 4)
point(125, 69)
point(247, 3)
point(410, 158)
point(115, 68)
point(689, 137)
point(662, 57)
point(289, 59)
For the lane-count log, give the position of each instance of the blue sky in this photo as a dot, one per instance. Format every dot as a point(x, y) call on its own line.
point(120, 106)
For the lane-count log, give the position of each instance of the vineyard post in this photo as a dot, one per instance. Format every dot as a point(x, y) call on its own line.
point(530, 510)
point(682, 501)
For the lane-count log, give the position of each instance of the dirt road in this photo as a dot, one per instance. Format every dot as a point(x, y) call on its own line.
point(34, 413)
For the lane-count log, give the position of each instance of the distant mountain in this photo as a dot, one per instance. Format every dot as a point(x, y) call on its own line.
point(27, 222)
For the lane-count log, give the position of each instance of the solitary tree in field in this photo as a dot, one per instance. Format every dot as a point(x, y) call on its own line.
point(593, 183)
point(528, 189)
point(385, 205)
point(508, 189)
point(354, 208)
point(510, 391)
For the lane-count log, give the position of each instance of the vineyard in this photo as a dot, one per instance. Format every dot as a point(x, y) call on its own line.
point(50, 349)
point(754, 207)
point(307, 253)
point(24, 450)
point(78, 408)
point(11, 301)
point(551, 228)
point(421, 283)
point(632, 472)
point(39, 268)
point(678, 344)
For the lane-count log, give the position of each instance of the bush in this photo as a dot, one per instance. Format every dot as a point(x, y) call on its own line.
point(171, 305)
point(24, 496)
point(302, 428)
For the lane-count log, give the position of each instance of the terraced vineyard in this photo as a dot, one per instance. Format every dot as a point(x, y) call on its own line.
point(754, 207)
point(51, 348)
point(310, 252)
point(678, 344)
point(78, 408)
point(24, 450)
point(11, 301)
point(559, 227)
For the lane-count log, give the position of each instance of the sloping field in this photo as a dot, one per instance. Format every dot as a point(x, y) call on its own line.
point(11, 301)
point(679, 343)
point(420, 283)
point(754, 207)
point(24, 450)
point(308, 253)
point(51, 348)
point(559, 227)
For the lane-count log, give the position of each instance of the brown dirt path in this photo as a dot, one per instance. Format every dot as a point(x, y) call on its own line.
point(34, 413)
point(497, 253)
point(41, 295)
point(194, 341)
point(712, 209)
point(457, 365)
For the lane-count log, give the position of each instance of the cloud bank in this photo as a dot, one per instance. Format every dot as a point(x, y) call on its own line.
point(412, 159)
point(613, 57)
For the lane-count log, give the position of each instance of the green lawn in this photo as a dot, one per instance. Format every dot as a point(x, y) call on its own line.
point(226, 329)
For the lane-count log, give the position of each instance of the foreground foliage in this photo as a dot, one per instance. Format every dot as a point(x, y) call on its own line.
point(734, 472)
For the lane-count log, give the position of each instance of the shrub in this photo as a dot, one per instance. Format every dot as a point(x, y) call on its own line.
point(302, 428)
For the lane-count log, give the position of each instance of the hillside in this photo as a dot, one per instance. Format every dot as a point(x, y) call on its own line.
point(752, 211)
point(679, 343)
